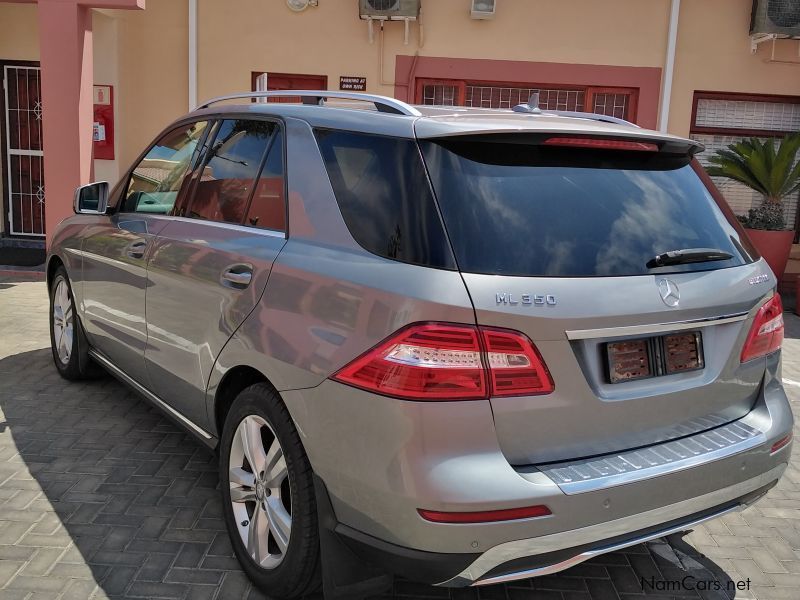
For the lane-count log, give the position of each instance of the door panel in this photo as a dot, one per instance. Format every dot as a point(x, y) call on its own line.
point(288, 81)
point(116, 250)
point(198, 294)
point(208, 270)
point(114, 284)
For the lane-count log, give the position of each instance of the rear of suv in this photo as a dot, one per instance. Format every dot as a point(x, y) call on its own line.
point(490, 345)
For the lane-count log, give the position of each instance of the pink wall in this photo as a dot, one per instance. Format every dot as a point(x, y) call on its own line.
point(65, 50)
point(65, 33)
point(646, 79)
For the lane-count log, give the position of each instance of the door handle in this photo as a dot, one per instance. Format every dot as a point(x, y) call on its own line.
point(237, 276)
point(136, 249)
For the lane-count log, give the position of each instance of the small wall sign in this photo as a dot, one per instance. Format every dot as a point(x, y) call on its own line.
point(102, 95)
point(349, 83)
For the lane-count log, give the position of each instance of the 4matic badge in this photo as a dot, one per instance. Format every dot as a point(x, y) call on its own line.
point(526, 299)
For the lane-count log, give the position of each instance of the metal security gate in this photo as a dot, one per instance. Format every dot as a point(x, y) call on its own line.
point(24, 168)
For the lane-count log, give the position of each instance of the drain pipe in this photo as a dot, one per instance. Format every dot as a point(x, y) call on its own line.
point(669, 66)
point(192, 54)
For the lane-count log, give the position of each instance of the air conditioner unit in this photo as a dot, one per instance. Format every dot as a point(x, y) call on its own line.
point(776, 17)
point(391, 10)
point(483, 9)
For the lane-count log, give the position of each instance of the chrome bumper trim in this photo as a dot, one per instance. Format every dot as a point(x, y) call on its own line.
point(608, 332)
point(503, 553)
point(578, 476)
point(579, 558)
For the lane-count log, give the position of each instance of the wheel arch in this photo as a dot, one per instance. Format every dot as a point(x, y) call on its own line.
point(53, 263)
point(232, 383)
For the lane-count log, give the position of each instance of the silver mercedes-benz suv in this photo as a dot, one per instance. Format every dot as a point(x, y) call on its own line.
point(462, 346)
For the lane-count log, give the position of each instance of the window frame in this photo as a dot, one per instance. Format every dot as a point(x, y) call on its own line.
point(589, 91)
point(740, 97)
point(198, 168)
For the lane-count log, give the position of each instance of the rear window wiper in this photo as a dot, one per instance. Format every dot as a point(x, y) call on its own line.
point(686, 256)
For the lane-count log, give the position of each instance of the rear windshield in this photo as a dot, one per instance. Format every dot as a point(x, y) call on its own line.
point(528, 210)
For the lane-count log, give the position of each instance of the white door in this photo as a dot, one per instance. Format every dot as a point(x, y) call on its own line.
point(24, 168)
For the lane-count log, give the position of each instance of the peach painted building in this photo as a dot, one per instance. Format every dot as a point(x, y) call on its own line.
point(688, 67)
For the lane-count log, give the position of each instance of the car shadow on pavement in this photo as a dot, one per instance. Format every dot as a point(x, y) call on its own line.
point(101, 496)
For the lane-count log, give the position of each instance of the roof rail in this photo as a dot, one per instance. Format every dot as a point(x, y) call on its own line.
point(588, 115)
point(318, 97)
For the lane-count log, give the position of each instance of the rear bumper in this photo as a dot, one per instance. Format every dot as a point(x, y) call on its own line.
point(522, 559)
point(401, 456)
point(533, 557)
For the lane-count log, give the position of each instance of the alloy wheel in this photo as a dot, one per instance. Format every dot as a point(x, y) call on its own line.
point(260, 492)
point(63, 321)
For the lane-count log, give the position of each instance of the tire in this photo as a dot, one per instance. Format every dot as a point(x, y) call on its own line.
point(67, 339)
point(282, 568)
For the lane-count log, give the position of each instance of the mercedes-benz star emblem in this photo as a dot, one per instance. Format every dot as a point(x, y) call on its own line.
point(669, 292)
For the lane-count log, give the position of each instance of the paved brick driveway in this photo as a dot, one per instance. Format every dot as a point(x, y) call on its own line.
point(101, 497)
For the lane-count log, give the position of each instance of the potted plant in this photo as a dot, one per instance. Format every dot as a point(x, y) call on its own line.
point(771, 172)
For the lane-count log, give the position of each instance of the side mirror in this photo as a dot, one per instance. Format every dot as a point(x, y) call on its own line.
point(92, 199)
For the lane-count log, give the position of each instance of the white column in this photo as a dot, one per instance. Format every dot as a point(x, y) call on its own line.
point(192, 54)
point(669, 66)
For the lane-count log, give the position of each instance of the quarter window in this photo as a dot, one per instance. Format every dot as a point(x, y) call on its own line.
point(160, 178)
point(225, 183)
point(384, 196)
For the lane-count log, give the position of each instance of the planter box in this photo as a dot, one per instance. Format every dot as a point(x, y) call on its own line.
point(774, 246)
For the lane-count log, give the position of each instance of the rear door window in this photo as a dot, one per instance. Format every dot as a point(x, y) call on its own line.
point(227, 178)
point(526, 210)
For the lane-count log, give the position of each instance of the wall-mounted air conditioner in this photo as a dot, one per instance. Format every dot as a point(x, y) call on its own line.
point(776, 17)
point(392, 10)
point(483, 9)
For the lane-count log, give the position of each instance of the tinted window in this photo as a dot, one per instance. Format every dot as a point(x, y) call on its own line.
point(384, 197)
point(226, 180)
point(525, 210)
point(160, 177)
point(267, 208)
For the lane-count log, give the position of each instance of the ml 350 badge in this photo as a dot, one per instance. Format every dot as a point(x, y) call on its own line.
point(526, 299)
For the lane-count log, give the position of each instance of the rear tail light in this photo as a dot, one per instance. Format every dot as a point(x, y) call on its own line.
point(581, 142)
point(485, 516)
point(766, 334)
point(515, 366)
point(442, 361)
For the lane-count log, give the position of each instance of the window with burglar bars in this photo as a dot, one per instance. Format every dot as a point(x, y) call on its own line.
point(482, 96)
point(616, 102)
point(719, 120)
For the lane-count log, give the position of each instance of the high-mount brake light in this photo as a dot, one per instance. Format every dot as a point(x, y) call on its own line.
point(600, 143)
point(766, 333)
point(447, 361)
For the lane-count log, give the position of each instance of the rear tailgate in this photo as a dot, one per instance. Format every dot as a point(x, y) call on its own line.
point(557, 238)
point(586, 415)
